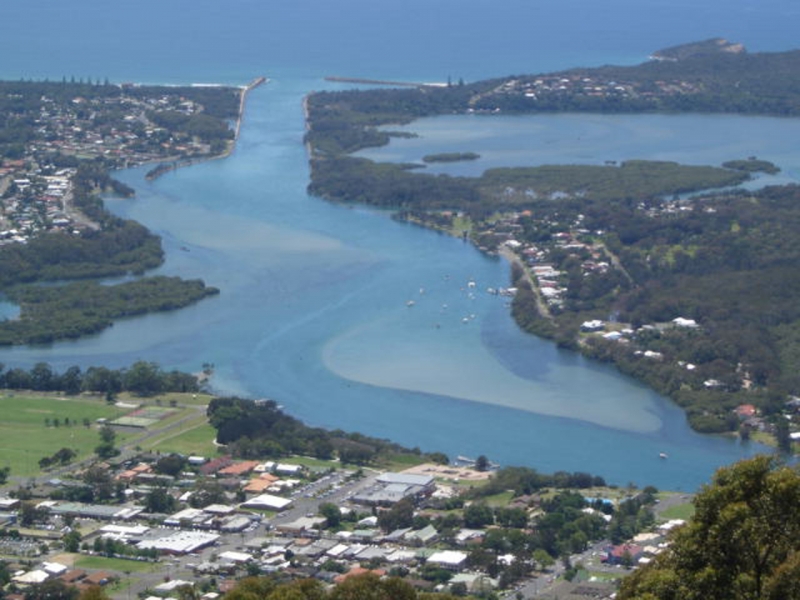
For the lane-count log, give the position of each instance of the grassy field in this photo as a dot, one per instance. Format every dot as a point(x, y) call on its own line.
point(679, 511)
point(762, 437)
point(180, 399)
point(308, 461)
point(399, 462)
point(119, 565)
point(28, 432)
point(193, 437)
point(499, 500)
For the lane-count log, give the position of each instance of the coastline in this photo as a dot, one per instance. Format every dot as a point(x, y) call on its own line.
point(307, 127)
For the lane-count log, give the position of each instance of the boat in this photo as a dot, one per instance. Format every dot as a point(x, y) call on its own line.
point(663, 455)
point(410, 303)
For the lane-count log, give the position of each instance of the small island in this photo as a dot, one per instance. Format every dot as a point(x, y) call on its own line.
point(752, 165)
point(69, 311)
point(447, 157)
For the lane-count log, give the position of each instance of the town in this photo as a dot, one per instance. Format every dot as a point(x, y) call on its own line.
point(149, 523)
point(549, 88)
point(118, 126)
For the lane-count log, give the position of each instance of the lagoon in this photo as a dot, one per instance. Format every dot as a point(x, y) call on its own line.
point(594, 139)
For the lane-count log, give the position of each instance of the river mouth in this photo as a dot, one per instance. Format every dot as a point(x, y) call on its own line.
point(313, 312)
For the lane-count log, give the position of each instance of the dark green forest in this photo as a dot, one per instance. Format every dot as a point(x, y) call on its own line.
point(70, 311)
point(351, 179)
point(141, 378)
point(259, 428)
point(450, 157)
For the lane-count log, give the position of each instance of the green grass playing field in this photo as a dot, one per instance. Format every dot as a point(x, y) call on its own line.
point(28, 431)
point(195, 437)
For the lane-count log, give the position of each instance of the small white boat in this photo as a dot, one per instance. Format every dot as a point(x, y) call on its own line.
point(410, 303)
point(663, 455)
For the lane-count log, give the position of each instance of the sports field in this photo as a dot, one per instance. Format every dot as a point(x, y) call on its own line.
point(33, 427)
point(195, 437)
point(144, 417)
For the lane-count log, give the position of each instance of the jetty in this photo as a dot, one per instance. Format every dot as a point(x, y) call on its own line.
point(243, 98)
point(382, 82)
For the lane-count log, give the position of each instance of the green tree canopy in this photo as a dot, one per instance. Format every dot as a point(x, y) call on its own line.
point(332, 513)
point(398, 516)
point(366, 586)
point(158, 500)
point(54, 589)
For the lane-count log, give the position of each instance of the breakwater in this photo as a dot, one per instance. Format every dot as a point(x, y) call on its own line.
point(366, 81)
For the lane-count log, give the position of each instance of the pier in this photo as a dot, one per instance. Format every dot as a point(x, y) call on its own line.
point(243, 98)
point(382, 82)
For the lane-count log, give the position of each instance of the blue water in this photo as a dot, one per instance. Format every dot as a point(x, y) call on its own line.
point(313, 304)
point(523, 140)
point(8, 310)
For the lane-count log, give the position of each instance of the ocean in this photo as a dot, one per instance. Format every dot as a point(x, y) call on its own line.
point(313, 305)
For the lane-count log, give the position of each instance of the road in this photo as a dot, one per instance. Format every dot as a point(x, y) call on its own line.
point(590, 558)
point(512, 258)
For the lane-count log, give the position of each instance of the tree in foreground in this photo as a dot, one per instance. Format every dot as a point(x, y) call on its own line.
point(54, 589)
point(367, 586)
point(742, 544)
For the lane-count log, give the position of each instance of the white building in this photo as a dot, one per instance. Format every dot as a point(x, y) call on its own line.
point(449, 559)
point(182, 542)
point(267, 502)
